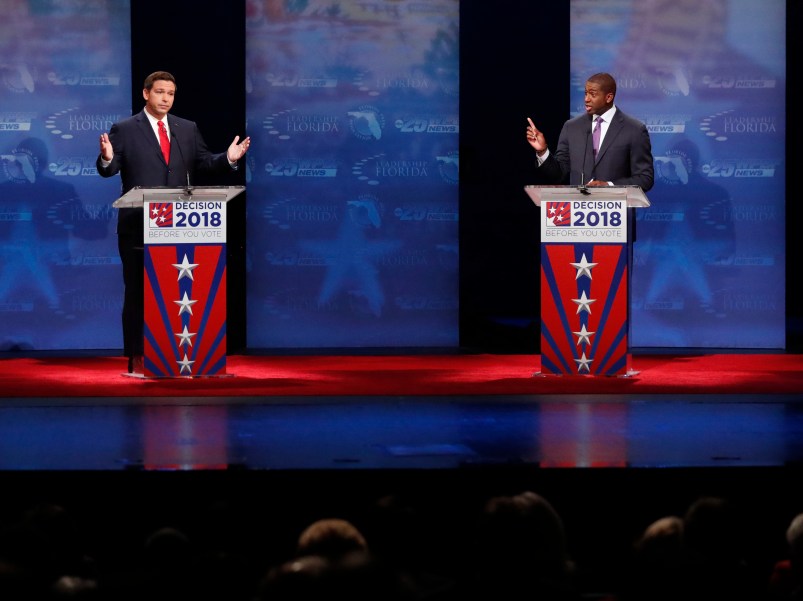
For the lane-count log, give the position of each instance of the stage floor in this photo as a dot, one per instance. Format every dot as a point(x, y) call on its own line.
point(266, 465)
point(400, 432)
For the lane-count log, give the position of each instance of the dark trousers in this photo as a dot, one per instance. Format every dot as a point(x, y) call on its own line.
point(132, 255)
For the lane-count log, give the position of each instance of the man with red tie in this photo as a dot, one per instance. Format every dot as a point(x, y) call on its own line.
point(152, 149)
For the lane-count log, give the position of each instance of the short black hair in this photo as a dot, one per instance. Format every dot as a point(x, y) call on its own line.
point(605, 81)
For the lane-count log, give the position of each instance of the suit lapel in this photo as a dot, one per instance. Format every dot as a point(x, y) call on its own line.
point(176, 132)
point(614, 128)
point(150, 137)
point(588, 159)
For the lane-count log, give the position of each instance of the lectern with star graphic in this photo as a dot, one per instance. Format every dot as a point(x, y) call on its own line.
point(185, 278)
point(586, 251)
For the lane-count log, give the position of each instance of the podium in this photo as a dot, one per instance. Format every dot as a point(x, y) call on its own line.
point(586, 259)
point(185, 278)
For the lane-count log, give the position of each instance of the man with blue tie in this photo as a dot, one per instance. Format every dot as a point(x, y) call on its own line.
point(153, 149)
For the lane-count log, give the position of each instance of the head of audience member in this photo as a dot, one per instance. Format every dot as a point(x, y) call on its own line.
point(332, 538)
point(712, 531)
point(794, 539)
point(299, 578)
point(658, 560)
point(522, 549)
point(525, 527)
point(716, 541)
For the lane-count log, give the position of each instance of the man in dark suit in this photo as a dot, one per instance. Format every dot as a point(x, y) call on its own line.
point(153, 149)
point(624, 156)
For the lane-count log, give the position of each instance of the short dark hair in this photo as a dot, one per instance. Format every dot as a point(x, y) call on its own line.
point(605, 81)
point(157, 76)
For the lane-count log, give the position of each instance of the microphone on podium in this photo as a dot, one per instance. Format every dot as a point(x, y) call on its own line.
point(582, 187)
point(188, 188)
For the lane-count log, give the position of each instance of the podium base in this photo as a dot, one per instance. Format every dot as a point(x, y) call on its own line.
point(630, 373)
point(540, 374)
point(144, 377)
point(133, 375)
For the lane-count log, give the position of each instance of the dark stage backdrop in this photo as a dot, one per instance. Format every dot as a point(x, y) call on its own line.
point(60, 286)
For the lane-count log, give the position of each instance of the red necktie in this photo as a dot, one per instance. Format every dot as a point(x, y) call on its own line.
point(164, 142)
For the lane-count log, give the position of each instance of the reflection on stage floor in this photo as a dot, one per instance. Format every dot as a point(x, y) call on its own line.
point(351, 433)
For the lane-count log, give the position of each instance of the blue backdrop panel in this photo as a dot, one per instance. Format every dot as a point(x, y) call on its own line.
point(64, 78)
point(352, 219)
point(708, 79)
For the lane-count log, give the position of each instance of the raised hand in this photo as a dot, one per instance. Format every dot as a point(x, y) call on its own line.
point(106, 150)
point(535, 138)
point(237, 151)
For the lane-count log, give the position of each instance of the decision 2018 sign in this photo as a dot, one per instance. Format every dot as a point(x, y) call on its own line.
point(194, 221)
point(596, 221)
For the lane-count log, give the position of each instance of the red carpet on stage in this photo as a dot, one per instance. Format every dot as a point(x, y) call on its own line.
point(481, 374)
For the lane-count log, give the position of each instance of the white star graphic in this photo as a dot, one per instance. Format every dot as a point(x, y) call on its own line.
point(582, 335)
point(186, 305)
point(185, 337)
point(186, 364)
point(185, 268)
point(155, 212)
point(583, 303)
point(583, 267)
point(582, 364)
point(552, 210)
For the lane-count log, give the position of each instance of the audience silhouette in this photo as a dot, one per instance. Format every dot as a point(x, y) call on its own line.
point(510, 547)
point(333, 560)
point(656, 570)
point(520, 552)
point(786, 580)
point(715, 536)
point(332, 538)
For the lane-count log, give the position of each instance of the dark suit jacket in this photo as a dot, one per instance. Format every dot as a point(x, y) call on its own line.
point(624, 159)
point(138, 158)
